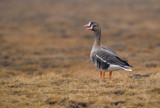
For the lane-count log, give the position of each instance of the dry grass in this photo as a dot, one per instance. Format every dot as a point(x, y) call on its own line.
point(57, 91)
point(44, 53)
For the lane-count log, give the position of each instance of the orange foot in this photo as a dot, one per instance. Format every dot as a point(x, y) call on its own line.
point(104, 75)
point(110, 75)
point(101, 74)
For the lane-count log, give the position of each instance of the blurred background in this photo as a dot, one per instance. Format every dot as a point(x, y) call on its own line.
point(47, 36)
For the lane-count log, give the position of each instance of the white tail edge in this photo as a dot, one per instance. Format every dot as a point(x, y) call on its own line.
point(126, 68)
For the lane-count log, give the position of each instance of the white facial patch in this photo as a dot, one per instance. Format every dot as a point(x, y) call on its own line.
point(89, 24)
point(91, 27)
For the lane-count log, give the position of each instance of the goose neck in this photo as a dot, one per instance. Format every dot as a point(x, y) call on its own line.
point(97, 37)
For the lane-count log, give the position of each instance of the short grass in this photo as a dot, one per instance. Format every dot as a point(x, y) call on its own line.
point(57, 91)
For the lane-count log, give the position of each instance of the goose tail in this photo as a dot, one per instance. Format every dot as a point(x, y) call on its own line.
point(126, 68)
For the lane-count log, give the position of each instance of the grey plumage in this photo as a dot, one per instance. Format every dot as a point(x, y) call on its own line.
point(104, 57)
point(109, 50)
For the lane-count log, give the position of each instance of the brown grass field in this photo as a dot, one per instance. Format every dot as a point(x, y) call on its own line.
point(44, 53)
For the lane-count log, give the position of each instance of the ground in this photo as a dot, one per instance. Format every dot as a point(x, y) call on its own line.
point(44, 53)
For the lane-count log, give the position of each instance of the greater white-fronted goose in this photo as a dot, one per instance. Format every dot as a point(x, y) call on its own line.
point(104, 57)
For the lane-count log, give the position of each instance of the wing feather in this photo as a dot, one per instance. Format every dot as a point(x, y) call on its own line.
point(110, 58)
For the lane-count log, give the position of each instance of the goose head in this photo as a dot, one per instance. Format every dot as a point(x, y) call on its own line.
point(93, 26)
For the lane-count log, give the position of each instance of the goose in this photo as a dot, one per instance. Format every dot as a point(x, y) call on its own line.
point(105, 58)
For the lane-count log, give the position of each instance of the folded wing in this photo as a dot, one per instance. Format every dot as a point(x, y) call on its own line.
point(103, 59)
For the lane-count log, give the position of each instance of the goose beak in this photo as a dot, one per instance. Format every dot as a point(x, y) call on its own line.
point(87, 25)
point(90, 28)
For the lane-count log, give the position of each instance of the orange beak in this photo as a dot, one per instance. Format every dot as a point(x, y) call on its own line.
point(90, 28)
point(87, 25)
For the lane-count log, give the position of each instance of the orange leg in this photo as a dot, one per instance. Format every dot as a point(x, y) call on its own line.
point(104, 75)
point(101, 74)
point(110, 75)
